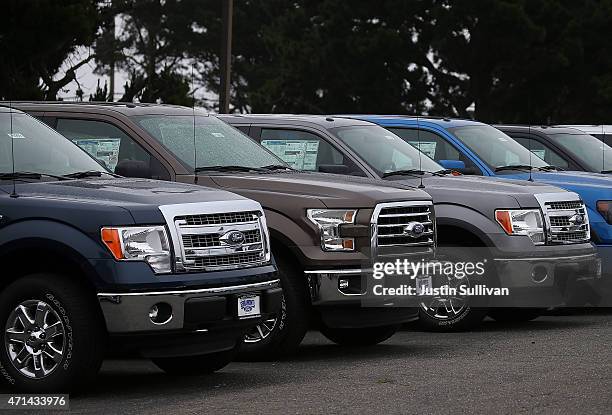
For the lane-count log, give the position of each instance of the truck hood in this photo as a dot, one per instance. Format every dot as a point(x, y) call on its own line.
point(141, 197)
point(312, 190)
point(590, 186)
point(477, 192)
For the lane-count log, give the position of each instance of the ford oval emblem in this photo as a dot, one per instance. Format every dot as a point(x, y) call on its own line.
point(233, 238)
point(577, 219)
point(414, 229)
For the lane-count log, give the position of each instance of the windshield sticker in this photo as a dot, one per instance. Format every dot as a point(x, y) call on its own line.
point(16, 135)
point(299, 154)
point(104, 149)
point(427, 147)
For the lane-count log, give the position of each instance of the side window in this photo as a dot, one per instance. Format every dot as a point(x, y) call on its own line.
point(434, 146)
point(113, 147)
point(306, 151)
point(544, 152)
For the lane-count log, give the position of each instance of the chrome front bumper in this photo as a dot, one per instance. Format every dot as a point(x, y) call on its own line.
point(191, 309)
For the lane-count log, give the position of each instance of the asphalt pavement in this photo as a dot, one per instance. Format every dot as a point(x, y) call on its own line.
point(556, 364)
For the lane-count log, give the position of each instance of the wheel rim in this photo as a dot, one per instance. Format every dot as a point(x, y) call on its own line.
point(35, 339)
point(263, 330)
point(447, 307)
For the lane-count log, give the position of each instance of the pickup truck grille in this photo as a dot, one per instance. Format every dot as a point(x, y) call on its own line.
point(218, 241)
point(407, 224)
point(567, 221)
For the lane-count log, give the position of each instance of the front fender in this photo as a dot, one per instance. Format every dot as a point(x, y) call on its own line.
point(55, 240)
point(470, 220)
point(49, 233)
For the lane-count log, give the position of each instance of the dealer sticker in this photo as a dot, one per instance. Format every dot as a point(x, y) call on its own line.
point(248, 306)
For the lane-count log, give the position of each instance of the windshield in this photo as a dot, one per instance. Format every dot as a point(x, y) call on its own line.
point(384, 151)
point(495, 148)
point(39, 149)
point(217, 143)
point(593, 153)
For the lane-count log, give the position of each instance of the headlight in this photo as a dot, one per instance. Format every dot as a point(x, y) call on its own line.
point(147, 243)
point(522, 222)
point(329, 222)
point(605, 208)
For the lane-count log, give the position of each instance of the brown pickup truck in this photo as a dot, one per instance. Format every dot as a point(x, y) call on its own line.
point(324, 229)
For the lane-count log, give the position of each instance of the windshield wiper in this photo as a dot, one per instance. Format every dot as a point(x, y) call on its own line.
point(28, 175)
point(226, 168)
point(276, 167)
point(548, 168)
point(85, 174)
point(606, 171)
point(514, 167)
point(412, 172)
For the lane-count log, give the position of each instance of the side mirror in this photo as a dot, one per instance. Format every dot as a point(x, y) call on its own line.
point(459, 166)
point(334, 168)
point(133, 168)
point(452, 164)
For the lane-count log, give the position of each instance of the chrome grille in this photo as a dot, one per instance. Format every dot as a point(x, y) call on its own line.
point(206, 244)
point(567, 220)
point(393, 222)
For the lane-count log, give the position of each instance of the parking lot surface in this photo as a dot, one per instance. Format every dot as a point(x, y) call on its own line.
point(556, 364)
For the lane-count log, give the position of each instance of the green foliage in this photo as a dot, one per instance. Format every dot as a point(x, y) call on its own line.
point(534, 61)
point(36, 37)
point(154, 47)
point(530, 61)
point(101, 94)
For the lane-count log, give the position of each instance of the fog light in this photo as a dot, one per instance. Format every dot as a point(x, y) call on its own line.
point(160, 313)
point(343, 284)
point(539, 273)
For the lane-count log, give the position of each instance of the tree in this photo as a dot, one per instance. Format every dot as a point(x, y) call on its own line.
point(36, 38)
point(528, 61)
point(153, 48)
point(325, 56)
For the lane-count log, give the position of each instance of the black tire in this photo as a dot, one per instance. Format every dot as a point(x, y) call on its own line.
point(292, 322)
point(82, 341)
point(514, 315)
point(195, 365)
point(357, 337)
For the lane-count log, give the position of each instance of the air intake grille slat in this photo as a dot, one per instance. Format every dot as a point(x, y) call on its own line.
point(572, 204)
point(219, 218)
point(212, 240)
point(221, 261)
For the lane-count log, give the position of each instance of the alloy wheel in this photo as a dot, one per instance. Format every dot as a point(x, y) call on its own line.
point(35, 339)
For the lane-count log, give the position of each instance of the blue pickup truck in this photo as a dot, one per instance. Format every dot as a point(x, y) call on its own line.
point(95, 264)
point(475, 148)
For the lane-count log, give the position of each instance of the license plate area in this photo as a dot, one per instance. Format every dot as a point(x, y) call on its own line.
point(249, 306)
point(424, 285)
